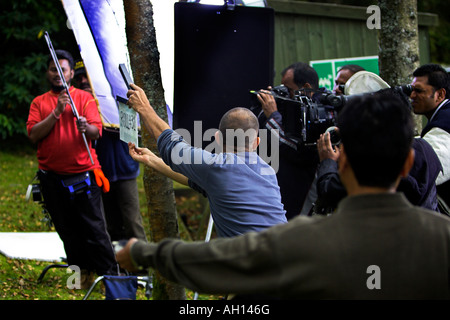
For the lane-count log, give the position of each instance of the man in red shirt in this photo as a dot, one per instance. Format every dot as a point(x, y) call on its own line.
point(66, 173)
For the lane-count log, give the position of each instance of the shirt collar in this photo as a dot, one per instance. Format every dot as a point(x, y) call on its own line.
point(437, 109)
point(373, 203)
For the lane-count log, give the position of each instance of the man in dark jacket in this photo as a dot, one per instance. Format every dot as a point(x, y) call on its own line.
point(376, 246)
point(419, 186)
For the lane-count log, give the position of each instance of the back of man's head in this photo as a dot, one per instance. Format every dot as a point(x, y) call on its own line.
point(62, 54)
point(377, 131)
point(238, 128)
point(304, 73)
point(437, 76)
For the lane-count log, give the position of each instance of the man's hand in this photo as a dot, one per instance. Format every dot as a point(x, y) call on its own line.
point(325, 148)
point(137, 99)
point(82, 124)
point(123, 257)
point(90, 130)
point(150, 159)
point(142, 155)
point(268, 102)
point(139, 102)
point(63, 101)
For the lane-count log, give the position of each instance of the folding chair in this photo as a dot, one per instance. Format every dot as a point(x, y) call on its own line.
point(122, 287)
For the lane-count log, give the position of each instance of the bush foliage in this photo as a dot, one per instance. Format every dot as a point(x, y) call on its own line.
point(24, 56)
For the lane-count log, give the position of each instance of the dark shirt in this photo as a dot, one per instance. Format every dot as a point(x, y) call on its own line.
point(419, 187)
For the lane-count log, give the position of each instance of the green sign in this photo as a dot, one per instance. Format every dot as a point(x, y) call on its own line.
point(328, 69)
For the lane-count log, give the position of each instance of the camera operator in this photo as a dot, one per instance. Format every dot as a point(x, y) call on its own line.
point(297, 164)
point(345, 73)
point(419, 186)
point(430, 97)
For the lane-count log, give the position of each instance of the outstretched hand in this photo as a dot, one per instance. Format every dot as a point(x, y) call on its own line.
point(143, 155)
point(137, 99)
point(123, 257)
point(150, 159)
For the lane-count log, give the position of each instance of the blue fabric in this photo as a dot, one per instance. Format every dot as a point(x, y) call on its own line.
point(120, 287)
point(440, 120)
point(419, 186)
point(114, 157)
point(242, 189)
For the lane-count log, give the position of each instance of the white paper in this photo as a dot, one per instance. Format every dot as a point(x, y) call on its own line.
point(128, 124)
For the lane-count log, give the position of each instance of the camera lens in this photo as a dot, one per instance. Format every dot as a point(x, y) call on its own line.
point(335, 138)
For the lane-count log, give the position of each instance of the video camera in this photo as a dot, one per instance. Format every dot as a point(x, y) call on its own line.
point(305, 119)
point(338, 101)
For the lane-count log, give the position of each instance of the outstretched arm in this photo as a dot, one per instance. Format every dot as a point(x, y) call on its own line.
point(145, 156)
point(139, 102)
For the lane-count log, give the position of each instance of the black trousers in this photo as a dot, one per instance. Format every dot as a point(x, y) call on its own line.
point(80, 223)
point(122, 212)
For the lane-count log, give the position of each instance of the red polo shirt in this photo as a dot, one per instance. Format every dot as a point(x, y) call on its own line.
point(63, 150)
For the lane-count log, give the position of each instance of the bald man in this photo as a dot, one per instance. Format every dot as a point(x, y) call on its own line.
point(242, 189)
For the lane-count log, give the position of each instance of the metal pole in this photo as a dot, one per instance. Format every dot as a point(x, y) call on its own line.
point(207, 238)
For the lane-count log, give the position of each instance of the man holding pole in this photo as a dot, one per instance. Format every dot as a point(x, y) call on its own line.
point(69, 172)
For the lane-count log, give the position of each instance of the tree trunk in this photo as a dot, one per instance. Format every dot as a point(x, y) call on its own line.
point(144, 56)
point(398, 41)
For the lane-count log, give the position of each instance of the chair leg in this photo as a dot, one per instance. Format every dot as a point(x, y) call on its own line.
point(92, 287)
point(41, 277)
point(148, 285)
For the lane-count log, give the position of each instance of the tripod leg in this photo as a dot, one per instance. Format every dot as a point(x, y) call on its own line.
point(207, 238)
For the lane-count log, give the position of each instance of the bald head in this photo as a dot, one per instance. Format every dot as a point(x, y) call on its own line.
point(238, 130)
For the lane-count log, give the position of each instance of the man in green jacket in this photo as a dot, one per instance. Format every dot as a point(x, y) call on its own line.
point(376, 246)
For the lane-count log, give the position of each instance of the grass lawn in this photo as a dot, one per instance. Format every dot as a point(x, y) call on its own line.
point(18, 278)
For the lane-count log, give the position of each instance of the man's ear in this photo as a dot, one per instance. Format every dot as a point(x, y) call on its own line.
point(218, 136)
point(346, 173)
point(256, 143)
point(343, 162)
point(409, 162)
point(440, 95)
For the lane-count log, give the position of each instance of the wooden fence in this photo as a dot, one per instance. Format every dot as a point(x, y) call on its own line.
point(307, 31)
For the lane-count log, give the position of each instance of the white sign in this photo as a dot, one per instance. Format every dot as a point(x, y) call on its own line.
point(128, 123)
